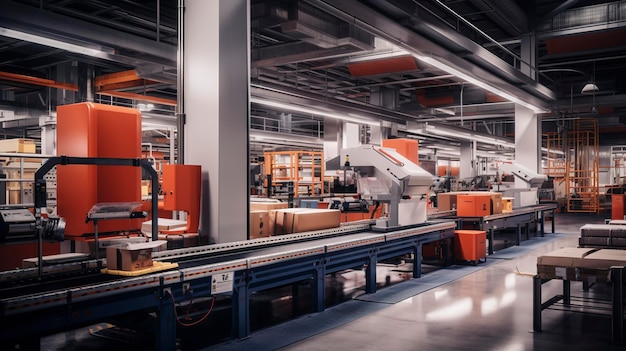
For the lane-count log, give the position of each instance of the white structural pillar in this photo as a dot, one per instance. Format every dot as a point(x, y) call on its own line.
point(387, 98)
point(351, 135)
point(333, 136)
point(216, 60)
point(468, 152)
point(527, 141)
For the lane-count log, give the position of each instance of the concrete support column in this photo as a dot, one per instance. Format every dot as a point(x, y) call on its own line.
point(387, 98)
point(216, 76)
point(333, 138)
point(528, 65)
point(86, 85)
point(66, 72)
point(351, 135)
point(48, 138)
point(527, 141)
point(468, 154)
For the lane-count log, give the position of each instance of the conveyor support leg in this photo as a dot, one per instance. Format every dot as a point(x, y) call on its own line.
point(518, 234)
point(567, 292)
point(319, 289)
point(536, 304)
point(490, 241)
point(240, 308)
point(617, 277)
point(543, 222)
point(370, 274)
point(417, 261)
point(166, 335)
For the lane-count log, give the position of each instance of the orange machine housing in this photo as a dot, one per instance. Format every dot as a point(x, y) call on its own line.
point(617, 206)
point(95, 130)
point(181, 192)
point(470, 245)
point(405, 147)
point(473, 205)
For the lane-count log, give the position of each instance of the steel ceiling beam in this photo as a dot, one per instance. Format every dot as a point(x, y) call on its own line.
point(46, 24)
point(506, 14)
point(444, 45)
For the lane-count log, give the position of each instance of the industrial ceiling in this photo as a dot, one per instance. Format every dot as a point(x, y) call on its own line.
point(408, 63)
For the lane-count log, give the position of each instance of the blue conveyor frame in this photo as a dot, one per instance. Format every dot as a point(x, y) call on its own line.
point(44, 313)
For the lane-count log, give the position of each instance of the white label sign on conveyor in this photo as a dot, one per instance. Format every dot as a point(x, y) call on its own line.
point(222, 283)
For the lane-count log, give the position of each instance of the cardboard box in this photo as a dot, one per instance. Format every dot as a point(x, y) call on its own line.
point(446, 201)
point(473, 205)
point(562, 263)
point(17, 145)
point(496, 202)
point(603, 230)
point(604, 259)
point(595, 241)
point(266, 206)
point(179, 241)
point(54, 259)
point(507, 204)
point(132, 257)
point(163, 224)
point(260, 224)
point(554, 272)
point(112, 241)
point(297, 220)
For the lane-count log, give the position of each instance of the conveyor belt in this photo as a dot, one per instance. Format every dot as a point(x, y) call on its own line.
point(44, 307)
point(224, 257)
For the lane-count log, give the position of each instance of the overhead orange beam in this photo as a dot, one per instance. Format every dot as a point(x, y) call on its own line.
point(20, 78)
point(118, 77)
point(124, 85)
point(133, 96)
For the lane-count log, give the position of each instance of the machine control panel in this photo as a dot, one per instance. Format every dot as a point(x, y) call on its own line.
point(20, 215)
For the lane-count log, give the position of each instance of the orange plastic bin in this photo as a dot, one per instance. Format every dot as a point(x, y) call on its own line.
point(470, 245)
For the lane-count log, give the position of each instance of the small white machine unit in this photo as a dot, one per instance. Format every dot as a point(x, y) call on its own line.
point(388, 177)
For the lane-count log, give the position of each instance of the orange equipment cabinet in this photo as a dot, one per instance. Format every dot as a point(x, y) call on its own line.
point(405, 147)
point(181, 192)
point(95, 130)
point(473, 205)
point(617, 206)
point(470, 245)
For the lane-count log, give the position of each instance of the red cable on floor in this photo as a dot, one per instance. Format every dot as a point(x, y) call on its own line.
point(193, 323)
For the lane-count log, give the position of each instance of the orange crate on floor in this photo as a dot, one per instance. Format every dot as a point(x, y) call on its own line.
point(470, 245)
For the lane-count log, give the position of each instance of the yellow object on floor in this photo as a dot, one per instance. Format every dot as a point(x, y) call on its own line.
point(156, 267)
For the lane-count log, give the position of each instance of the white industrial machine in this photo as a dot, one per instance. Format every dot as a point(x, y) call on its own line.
point(522, 197)
point(388, 177)
point(532, 178)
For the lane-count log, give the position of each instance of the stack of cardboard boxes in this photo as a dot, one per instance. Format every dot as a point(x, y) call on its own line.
point(274, 218)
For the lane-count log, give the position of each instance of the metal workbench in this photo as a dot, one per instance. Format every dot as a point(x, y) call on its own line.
point(576, 304)
point(518, 218)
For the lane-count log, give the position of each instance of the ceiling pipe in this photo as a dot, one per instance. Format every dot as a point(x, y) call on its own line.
point(20, 78)
point(180, 85)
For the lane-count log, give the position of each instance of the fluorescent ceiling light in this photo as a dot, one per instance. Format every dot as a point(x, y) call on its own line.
point(296, 108)
point(95, 51)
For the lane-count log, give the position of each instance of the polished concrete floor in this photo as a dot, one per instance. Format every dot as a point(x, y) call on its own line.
point(490, 309)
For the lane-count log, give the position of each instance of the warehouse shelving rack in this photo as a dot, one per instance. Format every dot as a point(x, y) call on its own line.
point(304, 170)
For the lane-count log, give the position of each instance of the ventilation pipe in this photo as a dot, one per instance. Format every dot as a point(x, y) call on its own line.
point(180, 85)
